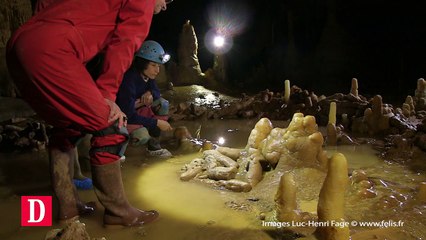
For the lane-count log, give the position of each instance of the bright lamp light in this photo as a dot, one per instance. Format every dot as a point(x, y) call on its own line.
point(218, 41)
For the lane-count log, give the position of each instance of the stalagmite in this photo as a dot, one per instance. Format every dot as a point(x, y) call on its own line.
point(377, 106)
point(409, 107)
point(331, 126)
point(285, 199)
point(420, 95)
point(286, 91)
point(189, 66)
point(332, 113)
point(332, 200)
point(331, 135)
point(375, 117)
point(354, 87)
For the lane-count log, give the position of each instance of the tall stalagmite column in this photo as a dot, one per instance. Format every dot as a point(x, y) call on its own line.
point(332, 201)
point(285, 199)
point(331, 126)
point(189, 70)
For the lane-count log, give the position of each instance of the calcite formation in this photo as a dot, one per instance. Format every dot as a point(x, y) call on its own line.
point(286, 91)
point(189, 70)
point(285, 199)
point(261, 130)
point(420, 95)
point(354, 87)
point(331, 126)
point(332, 201)
point(377, 117)
point(335, 133)
point(298, 145)
point(408, 108)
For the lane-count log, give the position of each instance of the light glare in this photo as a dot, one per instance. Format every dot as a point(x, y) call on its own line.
point(221, 141)
point(219, 41)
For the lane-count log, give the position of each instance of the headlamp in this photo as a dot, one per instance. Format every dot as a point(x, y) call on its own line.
point(165, 58)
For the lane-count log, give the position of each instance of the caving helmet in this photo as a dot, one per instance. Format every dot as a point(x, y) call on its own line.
point(152, 51)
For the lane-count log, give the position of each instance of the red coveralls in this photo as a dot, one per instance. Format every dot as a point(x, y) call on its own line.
point(47, 56)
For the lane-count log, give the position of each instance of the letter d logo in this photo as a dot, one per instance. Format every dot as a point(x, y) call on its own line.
point(36, 211)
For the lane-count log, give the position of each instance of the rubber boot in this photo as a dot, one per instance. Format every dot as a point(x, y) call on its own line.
point(70, 205)
point(110, 191)
point(62, 184)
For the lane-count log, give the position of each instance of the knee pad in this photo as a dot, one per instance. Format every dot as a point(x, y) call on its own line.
point(140, 136)
point(162, 106)
point(105, 141)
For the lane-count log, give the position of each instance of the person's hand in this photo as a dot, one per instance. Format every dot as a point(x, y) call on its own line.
point(147, 99)
point(138, 103)
point(116, 113)
point(164, 125)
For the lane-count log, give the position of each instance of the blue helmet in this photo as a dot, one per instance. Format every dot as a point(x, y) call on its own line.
point(152, 51)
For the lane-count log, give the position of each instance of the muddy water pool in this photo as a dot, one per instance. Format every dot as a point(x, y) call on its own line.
point(189, 210)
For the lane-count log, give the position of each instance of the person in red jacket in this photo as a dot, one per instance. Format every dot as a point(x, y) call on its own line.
point(46, 57)
point(79, 180)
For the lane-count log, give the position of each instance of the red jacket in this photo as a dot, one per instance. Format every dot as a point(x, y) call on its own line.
point(116, 27)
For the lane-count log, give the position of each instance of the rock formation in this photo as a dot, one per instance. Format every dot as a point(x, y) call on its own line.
point(299, 145)
point(13, 13)
point(189, 70)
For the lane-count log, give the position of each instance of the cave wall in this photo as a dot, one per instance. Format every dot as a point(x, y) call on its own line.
point(13, 13)
point(321, 45)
